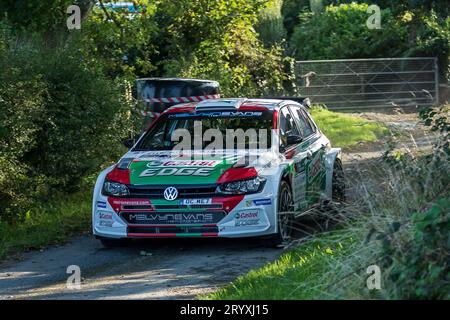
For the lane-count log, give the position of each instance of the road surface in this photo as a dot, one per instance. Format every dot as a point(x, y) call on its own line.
point(158, 269)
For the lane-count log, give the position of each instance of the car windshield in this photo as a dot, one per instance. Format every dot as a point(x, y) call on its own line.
point(210, 130)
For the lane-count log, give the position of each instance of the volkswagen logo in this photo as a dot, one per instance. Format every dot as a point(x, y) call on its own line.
point(170, 193)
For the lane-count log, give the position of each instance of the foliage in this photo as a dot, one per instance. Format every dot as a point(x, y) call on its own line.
point(291, 10)
point(22, 101)
point(47, 223)
point(400, 6)
point(60, 118)
point(224, 46)
point(430, 37)
point(408, 28)
point(341, 33)
point(125, 44)
point(420, 267)
point(270, 26)
point(44, 17)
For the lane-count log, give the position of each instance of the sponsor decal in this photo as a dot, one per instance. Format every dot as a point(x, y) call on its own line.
point(174, 218)
point(183, 163)
point(248, 203)
point(106, 223)
point(201, 172)
point(246, 214)
point(224, 114)
point(315, 167)
point(131, 202)
point(262, 202)
point(106, 219)
point(105, 215)
point(246, 218)
point(249, 222)
point(189, 202)
point(101, 204)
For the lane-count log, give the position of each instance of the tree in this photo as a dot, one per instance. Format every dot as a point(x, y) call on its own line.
point(47, 17)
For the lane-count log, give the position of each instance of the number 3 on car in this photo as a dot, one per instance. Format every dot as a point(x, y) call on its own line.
point(219, 168)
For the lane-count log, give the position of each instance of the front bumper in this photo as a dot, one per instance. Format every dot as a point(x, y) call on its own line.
point(235, 216)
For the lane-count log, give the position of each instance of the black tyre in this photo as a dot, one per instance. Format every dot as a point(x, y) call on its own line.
point(114, 243)
point(338, 183)
point(285, 216)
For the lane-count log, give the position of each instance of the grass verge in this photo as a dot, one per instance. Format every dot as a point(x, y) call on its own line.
point(346, 130)
point(295, 275)
point(48, 223)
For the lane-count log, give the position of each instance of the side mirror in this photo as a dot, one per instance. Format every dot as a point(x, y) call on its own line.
point(129, 143)
point(294, 139)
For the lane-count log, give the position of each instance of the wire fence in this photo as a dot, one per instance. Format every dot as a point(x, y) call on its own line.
point(369, 83)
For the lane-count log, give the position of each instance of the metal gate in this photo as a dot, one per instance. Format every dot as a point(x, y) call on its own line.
point(369, 83)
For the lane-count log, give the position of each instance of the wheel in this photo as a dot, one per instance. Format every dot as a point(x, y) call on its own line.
point(338, 183)
point(285, 217)
point(113, 243)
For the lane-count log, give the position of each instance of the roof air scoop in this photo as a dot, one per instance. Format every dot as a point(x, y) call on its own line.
point(220, 105)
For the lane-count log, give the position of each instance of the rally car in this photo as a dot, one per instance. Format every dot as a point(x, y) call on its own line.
point(219, 168)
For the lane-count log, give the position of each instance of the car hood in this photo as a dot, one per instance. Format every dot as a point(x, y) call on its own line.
point(169, 167)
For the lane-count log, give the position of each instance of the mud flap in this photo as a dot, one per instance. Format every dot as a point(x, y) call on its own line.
point(330, 157)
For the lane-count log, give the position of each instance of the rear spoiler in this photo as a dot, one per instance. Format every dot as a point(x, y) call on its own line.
point(302, 100)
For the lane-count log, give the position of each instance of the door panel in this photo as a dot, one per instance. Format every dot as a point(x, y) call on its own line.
point(313, 160)
point(297, 170)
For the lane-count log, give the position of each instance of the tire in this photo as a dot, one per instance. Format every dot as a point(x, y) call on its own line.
point(285, 217)
point(338, 183)
point(113, 243)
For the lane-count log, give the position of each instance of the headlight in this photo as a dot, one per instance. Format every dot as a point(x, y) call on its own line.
point(242, 186)
point(115, 189)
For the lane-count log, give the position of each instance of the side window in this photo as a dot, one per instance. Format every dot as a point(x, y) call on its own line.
point(304, 125)
point(310, 121)
point(287, 127)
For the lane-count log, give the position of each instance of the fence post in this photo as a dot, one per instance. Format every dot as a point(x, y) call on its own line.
point(436, 79)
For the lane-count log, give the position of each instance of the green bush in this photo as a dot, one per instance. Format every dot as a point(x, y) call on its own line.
point(291, 10)
point(224, 46)
point(60, 119)
point(341, 33)
point(270, 26)
point(430, 38)
point(123, 46)
point(408, 28)
point(22, 101)
point(420, 268)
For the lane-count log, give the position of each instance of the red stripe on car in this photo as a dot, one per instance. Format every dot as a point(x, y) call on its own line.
point(275, 120)
point(119, 175)
point(252, 108)
point(228, 203)
point(168, 235)
point(234, 174)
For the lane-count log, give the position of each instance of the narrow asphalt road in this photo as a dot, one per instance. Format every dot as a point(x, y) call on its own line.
point(156, 269)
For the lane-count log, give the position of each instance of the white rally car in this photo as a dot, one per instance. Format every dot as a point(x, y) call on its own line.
point(189, 175)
